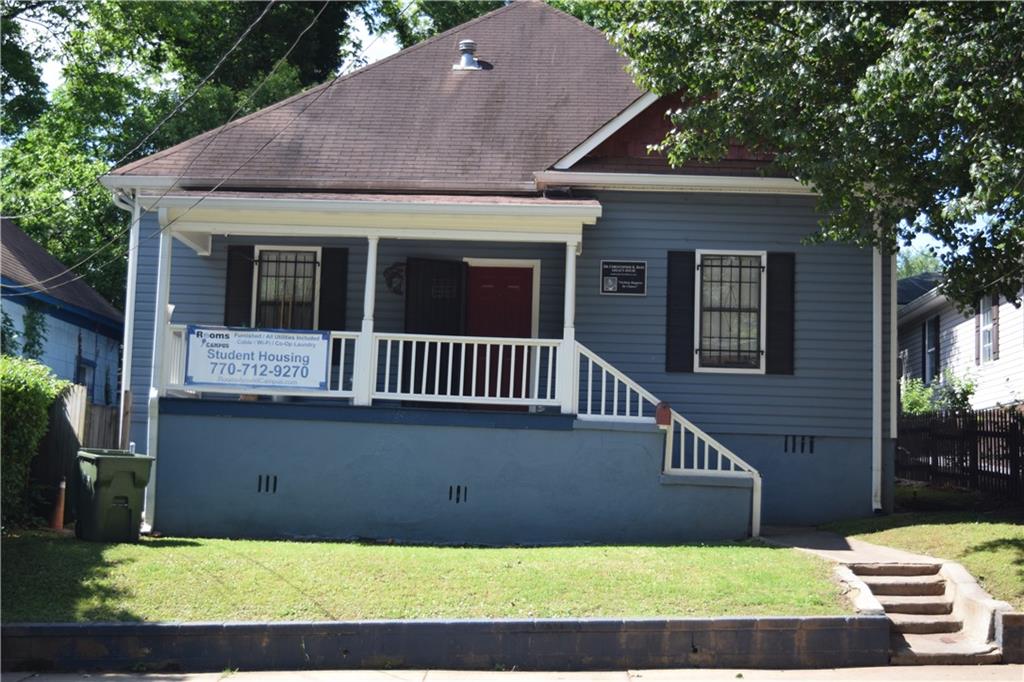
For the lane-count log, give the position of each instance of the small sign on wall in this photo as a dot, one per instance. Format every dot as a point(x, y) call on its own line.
point(257, 358)
point(624, 277)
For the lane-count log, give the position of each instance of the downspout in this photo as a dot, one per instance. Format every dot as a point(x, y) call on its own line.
point(129, 306)
point(876, 379)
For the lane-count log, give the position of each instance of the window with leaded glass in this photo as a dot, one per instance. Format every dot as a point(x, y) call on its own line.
point(729, 325)
point(286, 288)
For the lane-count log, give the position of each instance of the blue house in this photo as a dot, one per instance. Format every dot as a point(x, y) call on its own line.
point(77, 330)
point(450, 298)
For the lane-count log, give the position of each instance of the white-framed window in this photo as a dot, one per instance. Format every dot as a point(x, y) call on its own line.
point(286, 287)
point(931, 349)
point(729, 328)
point(986, 328)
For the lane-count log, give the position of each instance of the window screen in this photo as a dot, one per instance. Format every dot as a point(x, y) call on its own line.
point(730, 311)
point(285, 289)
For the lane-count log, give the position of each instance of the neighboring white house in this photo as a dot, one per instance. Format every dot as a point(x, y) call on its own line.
point(986, 346)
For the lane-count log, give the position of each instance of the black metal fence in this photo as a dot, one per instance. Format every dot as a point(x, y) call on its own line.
point(981, 450)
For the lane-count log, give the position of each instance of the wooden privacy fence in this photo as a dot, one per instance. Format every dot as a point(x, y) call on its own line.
point(74, 424)
point(981, 450)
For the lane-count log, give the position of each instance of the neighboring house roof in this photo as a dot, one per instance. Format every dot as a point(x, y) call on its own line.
point(23, 261)
point(910, 288)
point(410, 123)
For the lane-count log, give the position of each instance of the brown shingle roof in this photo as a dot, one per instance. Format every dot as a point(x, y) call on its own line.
point(411, 123)
point(23, 261)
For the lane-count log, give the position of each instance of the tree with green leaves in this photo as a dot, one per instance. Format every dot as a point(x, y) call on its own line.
point(911, 261)
point(126, 65)
point(905, 117)
point(422, 19)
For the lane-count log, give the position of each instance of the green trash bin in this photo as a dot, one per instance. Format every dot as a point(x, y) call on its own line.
point(111, 488)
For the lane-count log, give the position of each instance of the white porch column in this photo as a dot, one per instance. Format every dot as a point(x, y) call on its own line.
point(365, 368)
point(567, 372)
point(157, 381)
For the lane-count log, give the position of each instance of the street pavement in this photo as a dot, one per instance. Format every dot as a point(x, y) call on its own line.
point(926, 673)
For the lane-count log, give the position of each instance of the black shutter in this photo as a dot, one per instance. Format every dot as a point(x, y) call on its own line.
point(333, 289)
point(238, 287)
point(937, 325)
point(780, 310)
point(977, 331)
point(680, 313)
point(995, 327)
point(924, 350)
point(435, 296)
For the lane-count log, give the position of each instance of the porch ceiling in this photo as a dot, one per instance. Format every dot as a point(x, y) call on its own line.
point(193, 217)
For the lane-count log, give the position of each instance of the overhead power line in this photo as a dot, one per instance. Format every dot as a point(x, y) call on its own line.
point(181, 103)
point(323, 88)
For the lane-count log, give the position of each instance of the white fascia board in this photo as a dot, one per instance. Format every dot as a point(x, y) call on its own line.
point(587, 214)
point(660, 182)
point(138, 182)
point(606, 131)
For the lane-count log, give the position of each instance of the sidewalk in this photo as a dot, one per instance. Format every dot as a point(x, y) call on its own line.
point(989, 673)
point(841, 549)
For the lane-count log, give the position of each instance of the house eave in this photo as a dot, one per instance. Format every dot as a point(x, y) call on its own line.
point(924, 304)
point(659, 182)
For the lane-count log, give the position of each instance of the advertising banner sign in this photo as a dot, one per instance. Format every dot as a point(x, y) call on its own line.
point(257, 358)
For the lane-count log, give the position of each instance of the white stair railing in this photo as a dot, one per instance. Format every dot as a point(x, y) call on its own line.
point(688, 449)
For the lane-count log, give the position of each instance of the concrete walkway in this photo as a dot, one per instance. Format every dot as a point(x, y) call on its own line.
point(841, 549)
point(991, 673)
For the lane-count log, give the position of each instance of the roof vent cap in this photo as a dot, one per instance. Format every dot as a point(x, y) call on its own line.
point(467, 60)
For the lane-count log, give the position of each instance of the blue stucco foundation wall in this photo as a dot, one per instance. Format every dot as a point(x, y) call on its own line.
point(386, 474)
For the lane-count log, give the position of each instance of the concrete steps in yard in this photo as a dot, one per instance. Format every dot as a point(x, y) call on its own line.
point(920, 608)
point(914, 624)
point(923, 606)
point(941, 649)
point(905, 586)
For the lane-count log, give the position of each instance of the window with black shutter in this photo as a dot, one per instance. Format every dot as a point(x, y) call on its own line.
point(286, 287)
point(730, 311)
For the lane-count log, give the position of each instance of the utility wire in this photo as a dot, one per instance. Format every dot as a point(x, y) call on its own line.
point(323, 88)
point(181, 103)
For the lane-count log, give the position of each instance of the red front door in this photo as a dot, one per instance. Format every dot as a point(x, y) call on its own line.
point(499, 302)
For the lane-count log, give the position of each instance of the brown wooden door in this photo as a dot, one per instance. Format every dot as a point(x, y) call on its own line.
point(499, 302)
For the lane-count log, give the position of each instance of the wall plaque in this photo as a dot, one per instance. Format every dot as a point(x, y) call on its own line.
point(624, 277)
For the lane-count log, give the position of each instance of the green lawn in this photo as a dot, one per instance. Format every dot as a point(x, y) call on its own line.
point(52, 578)
point(987, 538)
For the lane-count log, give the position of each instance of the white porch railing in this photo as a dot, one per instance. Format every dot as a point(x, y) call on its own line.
point(688, 449)
point(466, 369)
point(501, 371)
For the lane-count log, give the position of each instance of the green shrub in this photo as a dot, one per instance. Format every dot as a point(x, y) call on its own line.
point(27, 389)
point(916, 397)
point(952, 395)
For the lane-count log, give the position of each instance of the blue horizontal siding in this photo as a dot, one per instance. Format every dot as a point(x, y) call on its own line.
point(830, 392)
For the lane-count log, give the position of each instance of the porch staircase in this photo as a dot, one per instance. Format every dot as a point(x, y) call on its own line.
point(919, 605)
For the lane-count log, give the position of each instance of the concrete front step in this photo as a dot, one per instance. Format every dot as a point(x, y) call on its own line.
point(914, 624)
point(941, 649)
point(931, 606)
point(905, 586)
point(895, 569)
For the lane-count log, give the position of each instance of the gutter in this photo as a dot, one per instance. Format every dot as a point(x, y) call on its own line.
point(122, 202)
point(663, 182)
point(589, 210)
